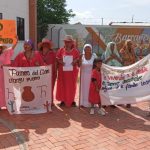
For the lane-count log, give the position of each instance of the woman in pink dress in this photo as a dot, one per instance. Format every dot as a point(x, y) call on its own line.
point(5, 59)
point(67, 59)
point(95, 86)
point(49, 57)
point(29, 57)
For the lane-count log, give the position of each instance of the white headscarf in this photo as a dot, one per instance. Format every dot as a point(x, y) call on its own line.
point(92, 57)
point(86, 45)
point(109, 52)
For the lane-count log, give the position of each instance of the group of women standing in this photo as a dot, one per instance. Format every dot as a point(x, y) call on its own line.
point(126, 56)
point(29, 57)
point(66, 80)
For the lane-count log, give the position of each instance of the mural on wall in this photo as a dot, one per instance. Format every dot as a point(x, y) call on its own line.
point(99, 36)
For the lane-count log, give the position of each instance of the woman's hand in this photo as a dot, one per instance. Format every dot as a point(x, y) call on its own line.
point(16, 38)
point(75, 61)
point(37, 63)
point(13, 47)
point(80, 60)
point(97, 89)
point(1, 66)
point(114, 56)
point(60, 61)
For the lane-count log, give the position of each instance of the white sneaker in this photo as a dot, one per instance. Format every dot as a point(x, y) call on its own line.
point(92, 111)
point(102, 112)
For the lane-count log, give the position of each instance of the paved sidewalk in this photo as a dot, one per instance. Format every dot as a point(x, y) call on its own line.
point(74, 129)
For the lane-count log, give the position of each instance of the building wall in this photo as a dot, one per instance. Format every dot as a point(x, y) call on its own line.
point(98, 36)
point(81, 33)
point(16, 8)
point(24, 9)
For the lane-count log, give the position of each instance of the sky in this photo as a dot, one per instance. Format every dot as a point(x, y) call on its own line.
point(106, 11)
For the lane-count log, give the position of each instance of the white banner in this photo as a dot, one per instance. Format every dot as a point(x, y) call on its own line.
point(126, 85)
point(28, 89)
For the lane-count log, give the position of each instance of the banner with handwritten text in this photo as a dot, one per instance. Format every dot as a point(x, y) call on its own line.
point(28, 89)
point(126, 85)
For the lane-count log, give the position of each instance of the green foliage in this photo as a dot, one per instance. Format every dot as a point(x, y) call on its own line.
point(51, 12)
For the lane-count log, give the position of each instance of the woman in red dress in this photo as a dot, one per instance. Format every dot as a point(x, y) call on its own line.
point(49, 57)
point(29, 57)
point(95, 86)
point(67, 77)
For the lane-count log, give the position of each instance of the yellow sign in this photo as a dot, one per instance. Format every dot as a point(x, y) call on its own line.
point(7, 31)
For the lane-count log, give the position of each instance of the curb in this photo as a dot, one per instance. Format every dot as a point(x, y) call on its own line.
point(19, 137)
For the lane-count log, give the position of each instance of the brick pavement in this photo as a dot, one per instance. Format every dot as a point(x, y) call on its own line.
point(74, 129)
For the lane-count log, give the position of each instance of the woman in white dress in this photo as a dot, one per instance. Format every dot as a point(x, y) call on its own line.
point(86, 69)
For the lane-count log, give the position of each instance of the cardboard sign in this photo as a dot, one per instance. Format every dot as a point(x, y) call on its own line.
point(7, 31)
point(28, 89)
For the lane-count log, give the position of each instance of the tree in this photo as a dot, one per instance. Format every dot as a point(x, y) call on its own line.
point(51, 12)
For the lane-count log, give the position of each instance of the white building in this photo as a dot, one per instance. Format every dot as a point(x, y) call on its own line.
point(24, 12)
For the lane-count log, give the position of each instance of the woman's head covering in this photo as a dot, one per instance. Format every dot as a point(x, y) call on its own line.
point(126, 44)
point(29, 42)
point(109, 52)
point(127, 41)
point(68, 38)
point(87, 45)
point(45, 41)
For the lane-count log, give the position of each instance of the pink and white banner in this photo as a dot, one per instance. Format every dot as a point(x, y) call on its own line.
point(126, 85)
point(28, 89)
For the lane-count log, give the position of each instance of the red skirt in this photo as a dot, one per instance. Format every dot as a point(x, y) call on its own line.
point(94, 96)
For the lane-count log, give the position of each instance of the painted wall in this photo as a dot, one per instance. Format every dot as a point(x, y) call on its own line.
point(98, 36)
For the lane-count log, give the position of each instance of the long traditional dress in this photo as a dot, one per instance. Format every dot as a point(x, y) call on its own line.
point(50, 59)
point(86, 71)
point(67, 80)
point(22, 61)
point(5, 59)
point(94, 97)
